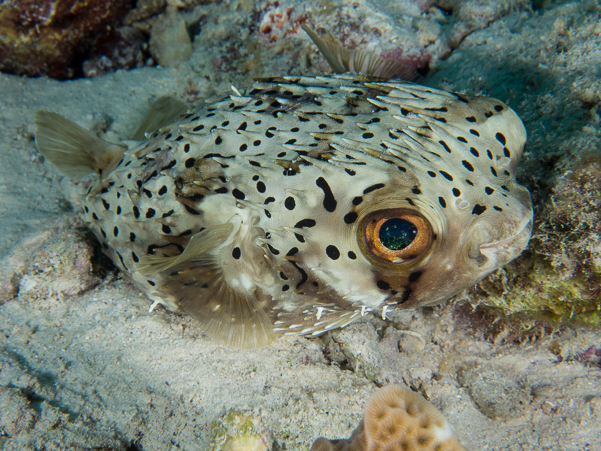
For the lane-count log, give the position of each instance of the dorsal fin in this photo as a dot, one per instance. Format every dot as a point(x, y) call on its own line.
point(343, 60)
point(164, 111)
point(74, 150)
point(195, 280)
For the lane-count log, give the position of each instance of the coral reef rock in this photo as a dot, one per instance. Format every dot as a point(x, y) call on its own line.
point(53, 262)
point(395, 418)
point(51, 37)
point(237, 431)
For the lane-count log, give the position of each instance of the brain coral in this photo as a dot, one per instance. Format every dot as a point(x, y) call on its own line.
point(396, 419)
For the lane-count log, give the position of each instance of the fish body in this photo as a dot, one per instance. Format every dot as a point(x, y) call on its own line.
point(301, 203)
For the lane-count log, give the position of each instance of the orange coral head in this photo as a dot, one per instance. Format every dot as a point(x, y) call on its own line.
point(396, 418)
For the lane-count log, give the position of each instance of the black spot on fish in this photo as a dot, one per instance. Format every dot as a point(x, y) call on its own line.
point(357, 200)
point(166, 229)
point(332, 252)
point(383, 285)
point(351, 217)
point(447, 176)
point(372, 188)
point(236, 253)
point(191, 210)
point(478, 209)
point(305, 223)
point(303, 274)
point(352, 255)
point(238, 194)
point(442, 202)
point(406, 295)
point(501, 138)
point(290, 203)
point(444, 144)
point(468, 165)
point(136, 212)
point(329, 202)
point(414, 276)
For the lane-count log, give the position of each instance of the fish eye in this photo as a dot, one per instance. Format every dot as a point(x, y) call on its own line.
point(396, 236)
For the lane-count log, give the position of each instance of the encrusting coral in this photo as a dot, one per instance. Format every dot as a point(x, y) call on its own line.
point(396, 419)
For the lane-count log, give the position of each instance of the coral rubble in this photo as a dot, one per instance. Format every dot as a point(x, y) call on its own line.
point(395, 418)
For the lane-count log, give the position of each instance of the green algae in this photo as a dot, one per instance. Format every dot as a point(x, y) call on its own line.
point(559, 276)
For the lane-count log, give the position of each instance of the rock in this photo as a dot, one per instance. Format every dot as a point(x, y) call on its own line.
point(50, 38)
point(496, 395)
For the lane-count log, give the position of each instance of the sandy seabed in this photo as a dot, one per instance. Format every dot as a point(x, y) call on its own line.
point(84, 365)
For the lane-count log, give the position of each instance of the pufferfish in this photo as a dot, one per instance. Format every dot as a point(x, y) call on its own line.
point(300, 204)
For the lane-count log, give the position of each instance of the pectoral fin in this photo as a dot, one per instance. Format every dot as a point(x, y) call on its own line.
point(164, 111)
point(195, 281)
point(74, 150)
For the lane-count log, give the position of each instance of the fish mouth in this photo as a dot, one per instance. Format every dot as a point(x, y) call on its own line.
point(523, 232)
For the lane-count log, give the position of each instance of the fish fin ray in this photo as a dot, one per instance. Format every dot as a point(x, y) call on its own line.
point(197, 250)
point(369, 63)
point(74, 150)
point(164, 111)
point(196, 282)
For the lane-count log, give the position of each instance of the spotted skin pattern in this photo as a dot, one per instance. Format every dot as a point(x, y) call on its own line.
point(275, 183)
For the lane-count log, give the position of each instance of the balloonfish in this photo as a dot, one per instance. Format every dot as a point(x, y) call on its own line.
point(300, 204)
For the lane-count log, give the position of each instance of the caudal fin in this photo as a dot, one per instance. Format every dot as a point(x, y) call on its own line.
point(74, 150)
point(343, 60)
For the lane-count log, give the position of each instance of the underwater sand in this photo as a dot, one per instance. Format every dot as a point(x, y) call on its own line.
point(84, 365)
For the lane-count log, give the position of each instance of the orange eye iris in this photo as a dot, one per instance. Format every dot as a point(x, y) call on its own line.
point(397, 236)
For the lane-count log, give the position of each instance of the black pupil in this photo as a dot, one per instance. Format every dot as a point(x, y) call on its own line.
point(396, 234)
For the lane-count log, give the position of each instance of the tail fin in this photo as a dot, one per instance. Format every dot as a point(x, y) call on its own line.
point(74, 150)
